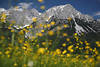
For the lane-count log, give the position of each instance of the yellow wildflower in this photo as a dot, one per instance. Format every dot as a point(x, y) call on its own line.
point(75, 34)
point(50, 33)
point(3, 17)
point(40, 1)
point(48, 25)
point(7, 52)
point(43, 43)
point(37, 45)
point(91, 59)
point(97, 42)
point(87, 44)
point(21, 32)
point(25, 65)
point(15, 64)
point(20, 41)
point(64, 51)
point(87, 47)
point(68, 39)
point(52, 23)
point(70, 47)
point(98, 45)
point(58, 51)
point(64, 44)
point(40, 34)
point(65, 25)
point(34, 19)
point(9, 27)
point(69, 18)
point(98, 57)
point(86, 56)
point(30, 26)
point(24, 48)
point(42, 7)
point(68, 55)
point(2, 37)
point(0, 52)
point(65, 34)
point(12, 30)
point(41, 51)
point(71, 50)
point(42, 30)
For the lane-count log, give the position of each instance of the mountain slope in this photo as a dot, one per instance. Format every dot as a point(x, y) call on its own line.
point(58, 14)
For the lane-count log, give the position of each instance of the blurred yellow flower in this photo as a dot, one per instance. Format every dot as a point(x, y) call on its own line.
point(52, 23)
point(2, 37)
point(21, 32)
point(12, 30)
point(75, 34)
point(3, 17)
point(41, 51)
point(69, 18)
point(87, 44)
point(40, 34)
point(50, 33)
point(97, 42)
point(3, 20)
point(98, 45)
point(48, 25)
point(25, 65)
point(64, 44)
point(42, 31)
point(45, 26)
point(40, 1)
point(15, 64)
point(65, 34)
point(43, 43)
point(37, 45)
point(34, 19)
point(9, 27)
point(24, 48)
point(42, 7)
point(68, 55)
point(30, 26)
point(64, 51)
point(65, 25)
point(7, 52)
point(91, 59)
point(86, 56)
point(0, 52)
point(70, 48)
point(68, 39)
point(87, 47)
point(58, 51)
point(98, 57)
point(20, 41)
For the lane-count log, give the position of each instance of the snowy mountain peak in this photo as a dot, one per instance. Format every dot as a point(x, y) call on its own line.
point(65, 11)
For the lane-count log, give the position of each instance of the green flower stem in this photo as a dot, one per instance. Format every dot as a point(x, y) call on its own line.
point(12, 42)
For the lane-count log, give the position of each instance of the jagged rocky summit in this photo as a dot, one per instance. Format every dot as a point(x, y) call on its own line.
point(59, 14)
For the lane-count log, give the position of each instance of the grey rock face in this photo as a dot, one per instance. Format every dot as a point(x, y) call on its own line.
point(23, 17)
point(98, 20)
